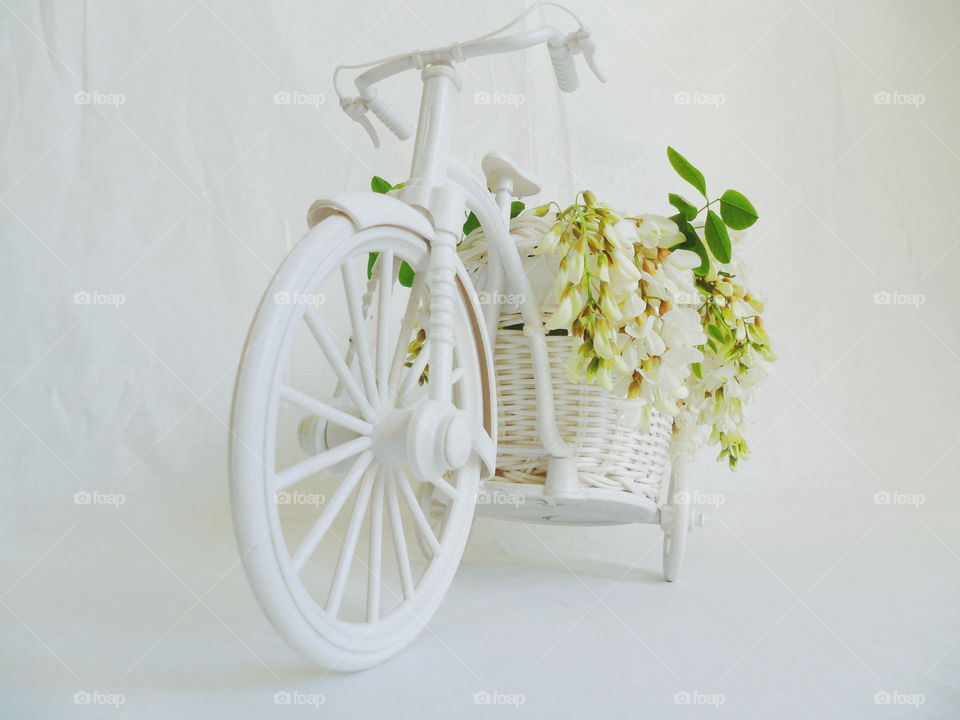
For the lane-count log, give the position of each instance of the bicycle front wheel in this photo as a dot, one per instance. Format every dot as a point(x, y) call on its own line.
point(338, 550)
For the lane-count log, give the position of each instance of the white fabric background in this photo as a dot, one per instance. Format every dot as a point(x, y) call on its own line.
point(802, 597)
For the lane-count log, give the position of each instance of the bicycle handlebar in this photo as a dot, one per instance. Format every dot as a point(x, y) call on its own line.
point(561, 48)
point(387, 114)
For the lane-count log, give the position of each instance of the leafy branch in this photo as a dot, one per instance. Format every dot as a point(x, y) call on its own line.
point(736, 213)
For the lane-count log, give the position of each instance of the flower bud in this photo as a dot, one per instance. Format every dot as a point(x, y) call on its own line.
point(542, 210)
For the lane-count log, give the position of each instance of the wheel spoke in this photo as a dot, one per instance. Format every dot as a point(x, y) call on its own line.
point(384, 297)
point(360, 339)
point(446, 488)
point(330, 512)
point(399, 541)
point(328, 347)
point(376, 551)
point(349, 546)
point(367, 314)
point(320, 462)
point(415, 371)
point(328, 413)
point(406, 331)
point(422, 523)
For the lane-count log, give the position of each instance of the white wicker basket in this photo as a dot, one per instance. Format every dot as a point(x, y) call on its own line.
point(609, 454)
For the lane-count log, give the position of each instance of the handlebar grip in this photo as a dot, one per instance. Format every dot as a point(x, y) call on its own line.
point(564, 67)
point(387, 115)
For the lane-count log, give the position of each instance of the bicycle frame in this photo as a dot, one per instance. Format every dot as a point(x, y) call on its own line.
point(442, 188)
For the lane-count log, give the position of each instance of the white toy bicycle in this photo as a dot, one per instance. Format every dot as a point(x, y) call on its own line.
point(401, 442)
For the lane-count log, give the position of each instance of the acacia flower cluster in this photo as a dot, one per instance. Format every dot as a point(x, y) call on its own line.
point(621, 291)
point(657, 309)
point(734, 358)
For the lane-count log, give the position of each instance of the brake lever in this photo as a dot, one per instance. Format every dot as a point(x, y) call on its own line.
point(356, 109)
point(588, 48)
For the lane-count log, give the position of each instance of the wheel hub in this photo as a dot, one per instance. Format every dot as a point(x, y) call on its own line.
point(432, 439)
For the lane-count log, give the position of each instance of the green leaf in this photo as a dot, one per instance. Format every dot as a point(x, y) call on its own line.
point(516, 207)
point(471, 224)
point(687, 171)
point(379, 185)
point(717, 237)
point(737, 212)
point(697, 370)
point(717, 333)
point(693, 243)
point(406, 274)
point(687, 209)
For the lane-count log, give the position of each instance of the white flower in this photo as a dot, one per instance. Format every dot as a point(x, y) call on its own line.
point(627, 233)
point(681, 327)
point(624, 274)
point(574, 269)
point(549, 241)
point(676, 276)
point(648, 340)
point(611, 310)
point(603, 345)
point(683, 355)
point(683, 259)
point(570, 306)
point(633, 305)
point(634, 414)
point(658, 231)
point(669, 383)
point(613, 234)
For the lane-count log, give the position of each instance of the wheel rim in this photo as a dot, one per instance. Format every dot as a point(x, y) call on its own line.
point(374, 496)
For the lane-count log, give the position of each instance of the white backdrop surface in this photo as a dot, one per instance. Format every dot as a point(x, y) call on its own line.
point(167, 192)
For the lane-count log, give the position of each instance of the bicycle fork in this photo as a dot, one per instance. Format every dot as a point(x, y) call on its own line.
point(430, 190)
